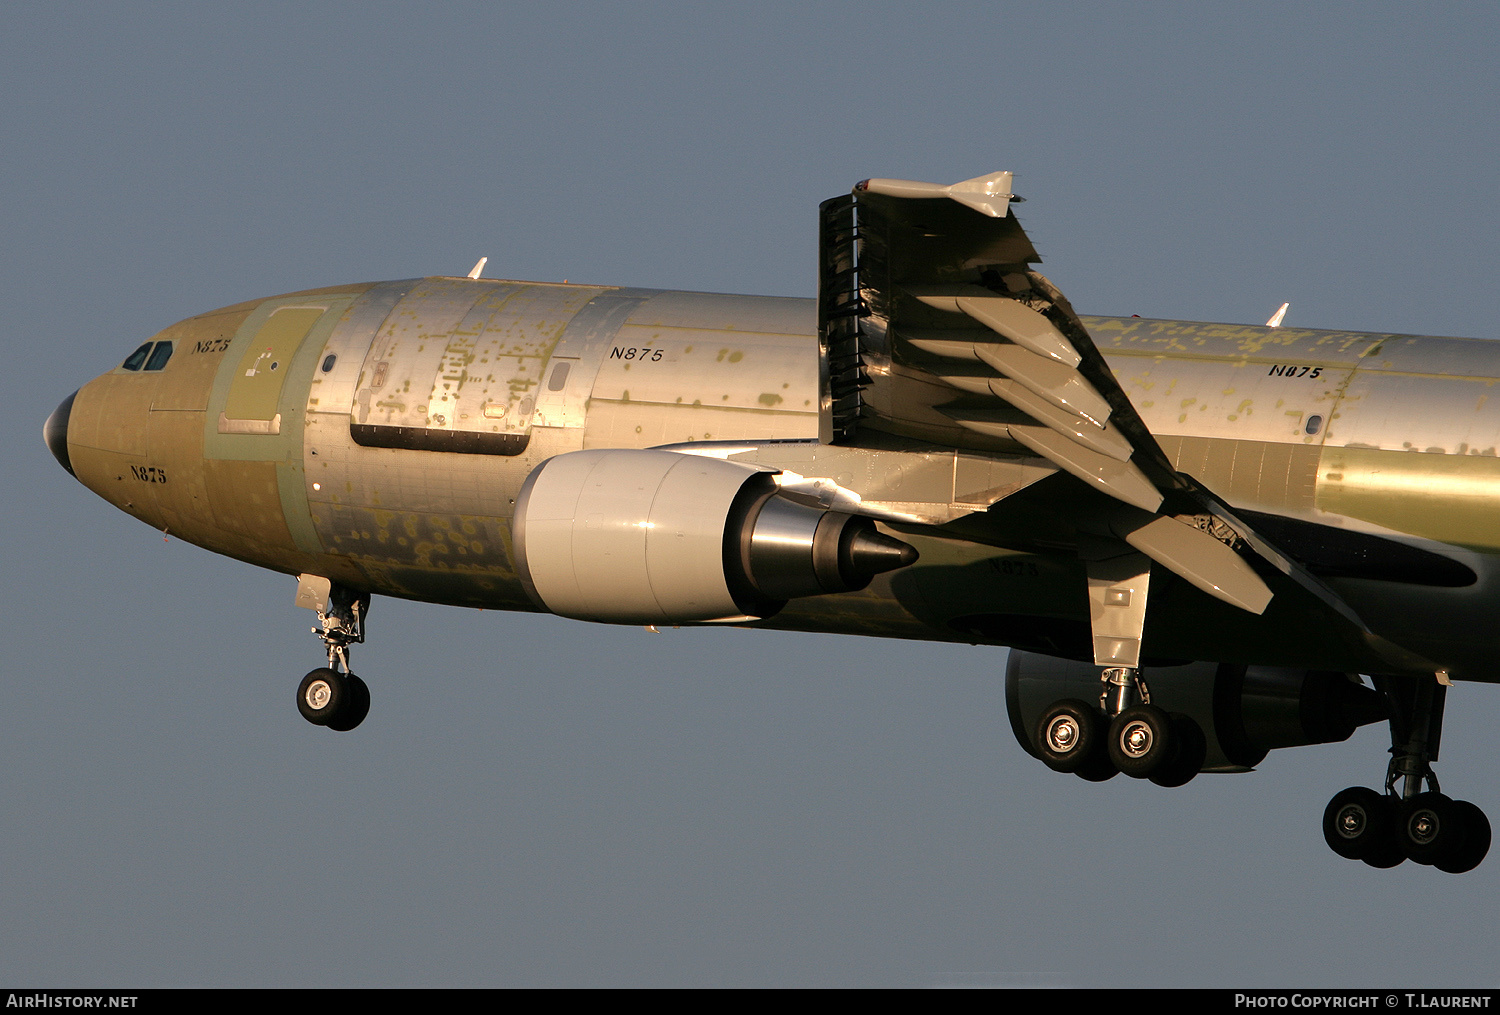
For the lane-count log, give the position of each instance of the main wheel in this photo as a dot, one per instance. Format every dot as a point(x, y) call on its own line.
point(1098, 769)
point(1360, 824)
point(321, 696)
point(1192, 748)
point(356, 706)
point(1385, 855)
point(1141, 741)
point(1070, 736)
point(1432, 829)
point(1476, 840)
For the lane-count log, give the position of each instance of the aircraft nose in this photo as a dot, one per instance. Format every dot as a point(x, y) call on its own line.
point(55, 433)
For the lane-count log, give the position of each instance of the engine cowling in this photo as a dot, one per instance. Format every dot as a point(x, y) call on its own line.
point(1244, 711)
point(652, 537)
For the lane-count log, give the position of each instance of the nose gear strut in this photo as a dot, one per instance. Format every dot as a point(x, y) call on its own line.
point(342, 623)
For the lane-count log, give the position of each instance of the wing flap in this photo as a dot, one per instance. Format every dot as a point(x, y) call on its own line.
point(1120, 480)
point(1007, 318)
point(924, 289)
point(1020, 324)
point(1203, 561)
point(1063, 386)
point(1081, 431)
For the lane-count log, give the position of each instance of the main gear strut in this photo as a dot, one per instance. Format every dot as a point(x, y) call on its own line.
point(1125, 733)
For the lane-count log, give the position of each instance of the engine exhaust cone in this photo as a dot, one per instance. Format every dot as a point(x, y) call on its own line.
point(871, 553)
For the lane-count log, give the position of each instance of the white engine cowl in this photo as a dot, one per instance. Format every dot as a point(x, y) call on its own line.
point(653, 537)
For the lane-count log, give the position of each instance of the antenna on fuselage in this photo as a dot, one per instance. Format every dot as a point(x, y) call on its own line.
point(1274, 322)
point(479, 266)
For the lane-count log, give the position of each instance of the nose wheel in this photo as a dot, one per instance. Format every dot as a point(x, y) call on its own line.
point(337, 700)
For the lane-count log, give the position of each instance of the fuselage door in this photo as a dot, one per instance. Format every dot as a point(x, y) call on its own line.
point(253, 403)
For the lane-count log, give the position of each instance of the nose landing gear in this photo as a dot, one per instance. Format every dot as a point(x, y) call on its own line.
point(332, 695)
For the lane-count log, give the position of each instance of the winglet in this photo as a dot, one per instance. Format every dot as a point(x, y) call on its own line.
point(1275, 321)
point(989, 195)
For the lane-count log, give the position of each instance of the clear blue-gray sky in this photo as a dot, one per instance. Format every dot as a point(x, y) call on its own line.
point(538, 802)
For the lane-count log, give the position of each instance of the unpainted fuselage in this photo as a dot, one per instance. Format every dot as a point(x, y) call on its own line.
point(378, 435)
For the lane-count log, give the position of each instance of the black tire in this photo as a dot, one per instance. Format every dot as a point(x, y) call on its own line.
point(1476, 840)
point(321, 695)
point(1141, 741)
point(1192, 749)
point(1385, 855)
point(1070, 736)
point(1360, 824)
point(356, 705)
point(1098, 769)
point(1431, 829)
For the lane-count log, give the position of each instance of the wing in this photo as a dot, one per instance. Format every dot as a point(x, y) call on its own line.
point(934, 325)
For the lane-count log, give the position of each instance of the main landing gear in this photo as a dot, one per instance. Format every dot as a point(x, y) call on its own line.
point(332, 695)
point(1415, 822)
point(1125, 732)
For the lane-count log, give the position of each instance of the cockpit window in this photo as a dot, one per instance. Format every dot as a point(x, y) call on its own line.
point(137, 358)
point(159, 356)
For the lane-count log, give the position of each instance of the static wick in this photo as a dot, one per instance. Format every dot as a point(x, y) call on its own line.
point(478, 267)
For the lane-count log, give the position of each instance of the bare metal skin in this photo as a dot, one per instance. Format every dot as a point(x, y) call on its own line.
point(1405, 449)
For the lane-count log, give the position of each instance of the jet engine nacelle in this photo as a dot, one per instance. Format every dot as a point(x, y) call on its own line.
point(1244, 711)
point(653, 537)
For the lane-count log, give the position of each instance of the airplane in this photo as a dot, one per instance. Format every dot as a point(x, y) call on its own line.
point(1200, 542)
